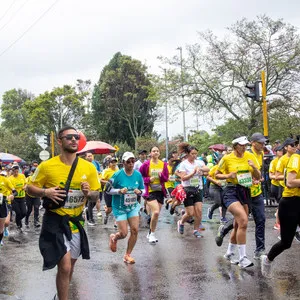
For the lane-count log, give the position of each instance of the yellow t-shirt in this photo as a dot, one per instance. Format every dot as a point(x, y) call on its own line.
point(6, 186)
point(171, 182)
point(154, 169)
point(19, 183)
point(108, 173)
point(231, 163)
point(272, 169)
point(54, 172)
point(255, 189)
point(281, 167)
point(292, 166)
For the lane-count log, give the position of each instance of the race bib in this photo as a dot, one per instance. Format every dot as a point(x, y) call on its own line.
point(154, 173)
point(130, 199)
point(194, 181)
point(245, 179)
point(172, 178)
point(1, 198)
point(75, 199)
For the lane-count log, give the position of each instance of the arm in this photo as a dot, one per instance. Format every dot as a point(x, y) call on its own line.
point(291, 181)
point(164, 177)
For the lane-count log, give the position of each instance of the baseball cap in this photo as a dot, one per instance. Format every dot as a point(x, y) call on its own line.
point(127, 155)
point(241, 140)
point(143, 151)
point(112, 159)
point(15, 166)
point(258, 137)
point(288, 141)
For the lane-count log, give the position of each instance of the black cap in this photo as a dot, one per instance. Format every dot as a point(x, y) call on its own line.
point(288, 141)
point(143, 151)
point(258, 137)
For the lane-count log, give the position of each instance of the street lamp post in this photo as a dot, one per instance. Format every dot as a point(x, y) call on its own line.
point(182, 95)
point(166, 112)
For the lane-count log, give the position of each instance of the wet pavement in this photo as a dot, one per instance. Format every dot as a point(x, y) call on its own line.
point(177, 267)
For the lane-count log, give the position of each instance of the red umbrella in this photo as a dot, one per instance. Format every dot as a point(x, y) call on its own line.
point(217, 147)
point(97, 147)
point(8, 158)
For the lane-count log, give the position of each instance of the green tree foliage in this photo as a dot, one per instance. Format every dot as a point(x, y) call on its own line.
point(123, 101)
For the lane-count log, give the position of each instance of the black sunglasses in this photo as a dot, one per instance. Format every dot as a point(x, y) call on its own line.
point(70, 136)
point(132, 161)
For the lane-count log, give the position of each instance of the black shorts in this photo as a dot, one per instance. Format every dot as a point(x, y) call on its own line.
point(107, 199)
point(3, 209)
point(236, 193)
point(170, 190)
point(159, 196)
point(193, 195)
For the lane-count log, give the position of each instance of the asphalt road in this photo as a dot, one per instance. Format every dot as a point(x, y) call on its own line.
point(177, 267)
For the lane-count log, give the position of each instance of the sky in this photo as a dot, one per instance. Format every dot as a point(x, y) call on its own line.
point(49, 43)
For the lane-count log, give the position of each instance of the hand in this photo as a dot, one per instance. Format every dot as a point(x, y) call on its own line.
point(137, 191)
point(231, 175)
point(251, 163)
point(55, 194)
point(152, 179)
point(123, 190)
point(85, 188)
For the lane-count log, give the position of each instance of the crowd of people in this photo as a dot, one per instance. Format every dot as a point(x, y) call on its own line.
point(72, 187)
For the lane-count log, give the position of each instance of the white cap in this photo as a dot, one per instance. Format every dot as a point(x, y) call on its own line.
point(127, 155)
point(241, 140)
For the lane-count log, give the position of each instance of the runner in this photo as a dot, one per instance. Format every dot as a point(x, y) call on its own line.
point(63, 238)
point(191, 171)
point(141, 160)
point(170, 184)
point(288, 213)
point(18, 205)
point(125, 185)
point(238, 168)
point(155, 174)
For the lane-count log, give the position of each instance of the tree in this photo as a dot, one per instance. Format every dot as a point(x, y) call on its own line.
point(123, 101)
point(218, 73)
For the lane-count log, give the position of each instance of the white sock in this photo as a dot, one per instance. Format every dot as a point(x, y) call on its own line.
point(242, 251)
point(231, 248)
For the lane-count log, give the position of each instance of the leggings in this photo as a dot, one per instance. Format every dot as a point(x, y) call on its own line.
point(215, 193)
point(289, 217)
point(32, 202)
point(18, 205)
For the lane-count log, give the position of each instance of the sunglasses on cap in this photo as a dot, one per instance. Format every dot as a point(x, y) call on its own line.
point(70, 136)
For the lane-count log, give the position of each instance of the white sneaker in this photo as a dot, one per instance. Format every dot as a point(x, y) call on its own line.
point(245, 263)
point(229, 257)
point(266, 267)
point(152, 238)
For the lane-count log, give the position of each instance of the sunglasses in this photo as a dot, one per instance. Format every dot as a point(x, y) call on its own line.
point(69, 137)
point(130, 161)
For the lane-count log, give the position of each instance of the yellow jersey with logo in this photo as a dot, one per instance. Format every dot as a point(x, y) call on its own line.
point(154, 170)
point(6, 186)
point(231, 163)
point(54, 172)
point(171, 182)
point(256, 189)
point(281, 167)
point(292, 166)
point(19, 183)
point(108, 173)
point(272, 169)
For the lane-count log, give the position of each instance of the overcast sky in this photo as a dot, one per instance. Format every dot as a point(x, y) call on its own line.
point(49, 43)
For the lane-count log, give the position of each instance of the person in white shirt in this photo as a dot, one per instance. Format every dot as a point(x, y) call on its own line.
point(142, 158)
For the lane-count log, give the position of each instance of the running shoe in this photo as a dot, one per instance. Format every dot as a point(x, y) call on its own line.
point(258, 254)
point(266, 267)
point(37, 224)
point(148, 235)
point(201, 227)
point(112, 243)
point(197, 234)
point(224, 220)
point(19, 229)
point(128, 259)
point(209, 213)
point(91, 223)
point(152, 238)
point(180, 227)
point(245, 263)
point(219, 238)
point(297, 236)
point(105, 219)
point(229, 257)
point(6, 232)
point(276, 226)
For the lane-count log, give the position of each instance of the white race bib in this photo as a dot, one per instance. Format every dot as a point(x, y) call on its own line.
point(1, 198)
point(130, 199)
point(194, 181)
point(154, 173)
point(75, 199)
point(245, 179)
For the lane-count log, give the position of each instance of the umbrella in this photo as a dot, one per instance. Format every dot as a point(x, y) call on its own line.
point(8, 158)
point(97, 147)
point(217, 147)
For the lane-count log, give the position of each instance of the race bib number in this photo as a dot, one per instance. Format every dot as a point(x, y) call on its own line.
point(1, 198)
point(130, 199)
point(194, 181)
point(75, 199)
point(155, 172)
point(245, 179)
point(172, 178)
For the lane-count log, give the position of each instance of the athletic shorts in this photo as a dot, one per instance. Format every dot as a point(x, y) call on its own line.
point(236, 193)
point(159, 196)
point(3, 209)
point(193, 196)
point(170, 190)
point(107, 199)
point(74, 245)
point(127, 215)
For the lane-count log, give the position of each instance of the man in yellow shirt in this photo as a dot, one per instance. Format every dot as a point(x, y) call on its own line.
point(63, 238)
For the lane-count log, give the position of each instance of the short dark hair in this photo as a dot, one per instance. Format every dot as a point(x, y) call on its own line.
point(59, 134)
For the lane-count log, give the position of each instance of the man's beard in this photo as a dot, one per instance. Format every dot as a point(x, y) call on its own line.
point(70, 150)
